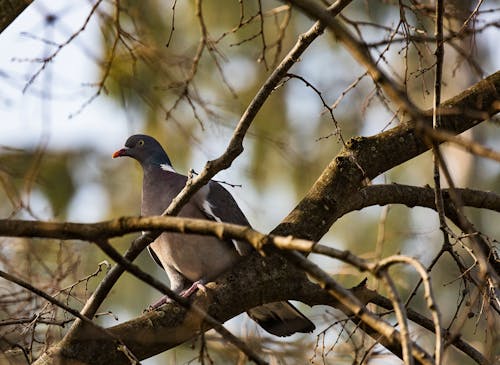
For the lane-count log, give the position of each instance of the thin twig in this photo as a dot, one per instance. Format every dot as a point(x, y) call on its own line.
point(59, 304)
point(362, 54)
point(45, 296)
point(470, 146)
point(45, 61)
point(436, 124)
point(429, 296)
point(172, 27)
point(399, 310)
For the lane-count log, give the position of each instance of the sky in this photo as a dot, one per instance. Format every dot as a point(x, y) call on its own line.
point(25, 116)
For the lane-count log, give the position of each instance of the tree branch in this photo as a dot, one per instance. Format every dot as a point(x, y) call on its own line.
point(367, 157)
point(225, 231)
point(10, 10)
point(44, 295)
point(413, 196)
point(470, 146)
point(385, 194)
point(326, 201)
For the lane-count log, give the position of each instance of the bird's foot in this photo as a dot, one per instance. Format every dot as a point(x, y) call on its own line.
point(163, 300)
point(197, 285)
point(186, 293)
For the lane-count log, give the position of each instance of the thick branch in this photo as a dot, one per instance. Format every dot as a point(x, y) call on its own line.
point(183, 321)
point(10, 10)
point(270, 279)
point(413, 196)
point(367, 157)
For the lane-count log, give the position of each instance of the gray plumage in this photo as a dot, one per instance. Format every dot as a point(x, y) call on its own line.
point(191, 261)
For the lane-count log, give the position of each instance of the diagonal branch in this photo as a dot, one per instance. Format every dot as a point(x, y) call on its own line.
point(201, 313)
point(367, 157)
point(91, 329)
point(45, 296)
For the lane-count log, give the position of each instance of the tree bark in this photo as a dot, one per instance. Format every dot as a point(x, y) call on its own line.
point(10, 10)
point(367, 157)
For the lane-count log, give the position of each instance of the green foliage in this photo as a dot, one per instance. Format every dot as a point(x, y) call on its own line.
point(48, 172)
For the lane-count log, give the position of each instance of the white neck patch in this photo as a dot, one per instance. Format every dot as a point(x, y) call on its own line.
point(166, 167)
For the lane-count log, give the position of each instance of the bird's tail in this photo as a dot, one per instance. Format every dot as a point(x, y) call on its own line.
point(281, 319)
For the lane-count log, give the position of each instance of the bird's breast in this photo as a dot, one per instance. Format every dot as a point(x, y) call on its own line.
point(194, 256)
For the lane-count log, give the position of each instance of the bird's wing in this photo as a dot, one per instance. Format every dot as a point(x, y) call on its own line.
point(220, 206)
point(281, 319)
point(155, 257)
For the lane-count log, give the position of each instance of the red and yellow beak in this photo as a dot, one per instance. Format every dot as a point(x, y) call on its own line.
point(120, 153)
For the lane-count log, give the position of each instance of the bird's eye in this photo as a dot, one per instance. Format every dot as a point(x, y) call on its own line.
point(140, 143)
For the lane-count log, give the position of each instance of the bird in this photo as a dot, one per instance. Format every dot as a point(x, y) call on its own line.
point(191, 261)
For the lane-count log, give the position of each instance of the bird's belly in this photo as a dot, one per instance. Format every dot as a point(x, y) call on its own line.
point(195, 257)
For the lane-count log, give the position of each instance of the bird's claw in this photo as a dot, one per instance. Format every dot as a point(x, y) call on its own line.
point(197, 285)
point(163, 300)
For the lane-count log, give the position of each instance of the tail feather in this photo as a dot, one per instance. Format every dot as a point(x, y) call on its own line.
point(281, 319)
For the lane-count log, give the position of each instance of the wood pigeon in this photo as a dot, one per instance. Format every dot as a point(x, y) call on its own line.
point(191, 261)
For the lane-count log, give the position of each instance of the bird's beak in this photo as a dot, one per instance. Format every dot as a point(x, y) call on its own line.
point(120, 153)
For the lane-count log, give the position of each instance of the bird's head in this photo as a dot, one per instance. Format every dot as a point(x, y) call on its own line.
point(145, 149)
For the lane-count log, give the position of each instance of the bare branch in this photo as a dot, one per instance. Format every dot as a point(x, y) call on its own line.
point(44, 295)
point(361, 53)
point(429, 296)
point(46, 61)
point(400, 311)
point(469, 146)
point(412, 196)
point(90, 325)
point(391, 337)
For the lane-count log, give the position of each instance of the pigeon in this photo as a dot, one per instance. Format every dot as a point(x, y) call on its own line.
point(191, 261)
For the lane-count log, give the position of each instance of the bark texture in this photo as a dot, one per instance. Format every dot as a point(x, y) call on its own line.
point(10, 10)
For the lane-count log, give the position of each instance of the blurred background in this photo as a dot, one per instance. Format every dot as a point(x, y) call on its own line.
point(72, 89)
